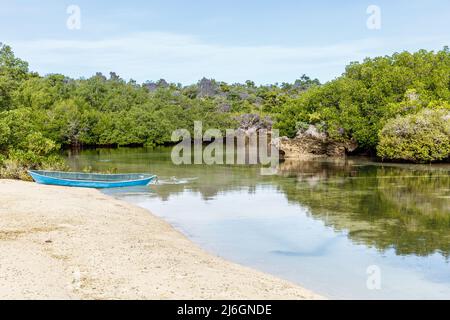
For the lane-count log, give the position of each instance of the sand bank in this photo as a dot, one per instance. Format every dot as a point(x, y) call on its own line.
point(62, 243)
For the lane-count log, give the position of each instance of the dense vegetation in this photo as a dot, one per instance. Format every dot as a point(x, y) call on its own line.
point(358, 104)
point(424, 136)
point(41, 114)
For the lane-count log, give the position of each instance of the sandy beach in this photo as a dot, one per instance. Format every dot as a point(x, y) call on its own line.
point(63, 243)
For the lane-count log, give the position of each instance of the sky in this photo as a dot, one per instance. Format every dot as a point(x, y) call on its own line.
point(233, 41)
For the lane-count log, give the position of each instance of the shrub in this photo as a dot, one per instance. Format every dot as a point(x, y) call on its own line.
point(18, 162)
point(422, 137)
point(11, 169)
point(37, 144)
point(34, 152)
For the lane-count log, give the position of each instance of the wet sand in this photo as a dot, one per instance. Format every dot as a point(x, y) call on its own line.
point(65, 243)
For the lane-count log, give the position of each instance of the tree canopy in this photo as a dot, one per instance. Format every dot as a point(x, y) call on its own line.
point(358, 104)
point(57, 111)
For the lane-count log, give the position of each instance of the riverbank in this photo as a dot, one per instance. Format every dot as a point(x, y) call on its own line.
point(62, 243)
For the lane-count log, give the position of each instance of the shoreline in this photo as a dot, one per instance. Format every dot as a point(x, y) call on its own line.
point(66, 243)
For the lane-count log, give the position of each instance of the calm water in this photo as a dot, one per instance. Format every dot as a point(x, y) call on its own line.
point(320, 224)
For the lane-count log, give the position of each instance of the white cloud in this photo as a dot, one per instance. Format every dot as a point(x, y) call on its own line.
point(185, 58)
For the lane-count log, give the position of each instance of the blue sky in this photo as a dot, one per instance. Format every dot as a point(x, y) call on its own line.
point(182, 41)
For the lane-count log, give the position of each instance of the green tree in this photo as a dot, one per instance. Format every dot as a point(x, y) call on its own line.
point(358, 104)
point(12, 71)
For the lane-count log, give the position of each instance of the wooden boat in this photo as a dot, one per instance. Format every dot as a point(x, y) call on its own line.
point(91, 180)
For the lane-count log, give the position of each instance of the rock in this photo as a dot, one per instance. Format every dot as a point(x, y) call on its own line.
point(224, 108)
point(162, 83)
point(207, 88)
point(254, 121)
point(243, 95)
point(312, 143)
point(153, 86)
point(312, 132)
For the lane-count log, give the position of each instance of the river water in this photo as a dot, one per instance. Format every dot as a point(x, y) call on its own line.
point(342, 228)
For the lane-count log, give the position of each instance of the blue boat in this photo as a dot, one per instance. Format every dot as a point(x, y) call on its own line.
point(91, 180)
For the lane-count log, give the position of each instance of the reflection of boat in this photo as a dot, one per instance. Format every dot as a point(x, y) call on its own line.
point(91, 180)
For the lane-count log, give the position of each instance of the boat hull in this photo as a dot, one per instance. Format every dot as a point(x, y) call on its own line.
point(48, 180)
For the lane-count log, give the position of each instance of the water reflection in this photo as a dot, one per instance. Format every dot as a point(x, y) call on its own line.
point(320, 223)
point(407, 209)
point(404, 207)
